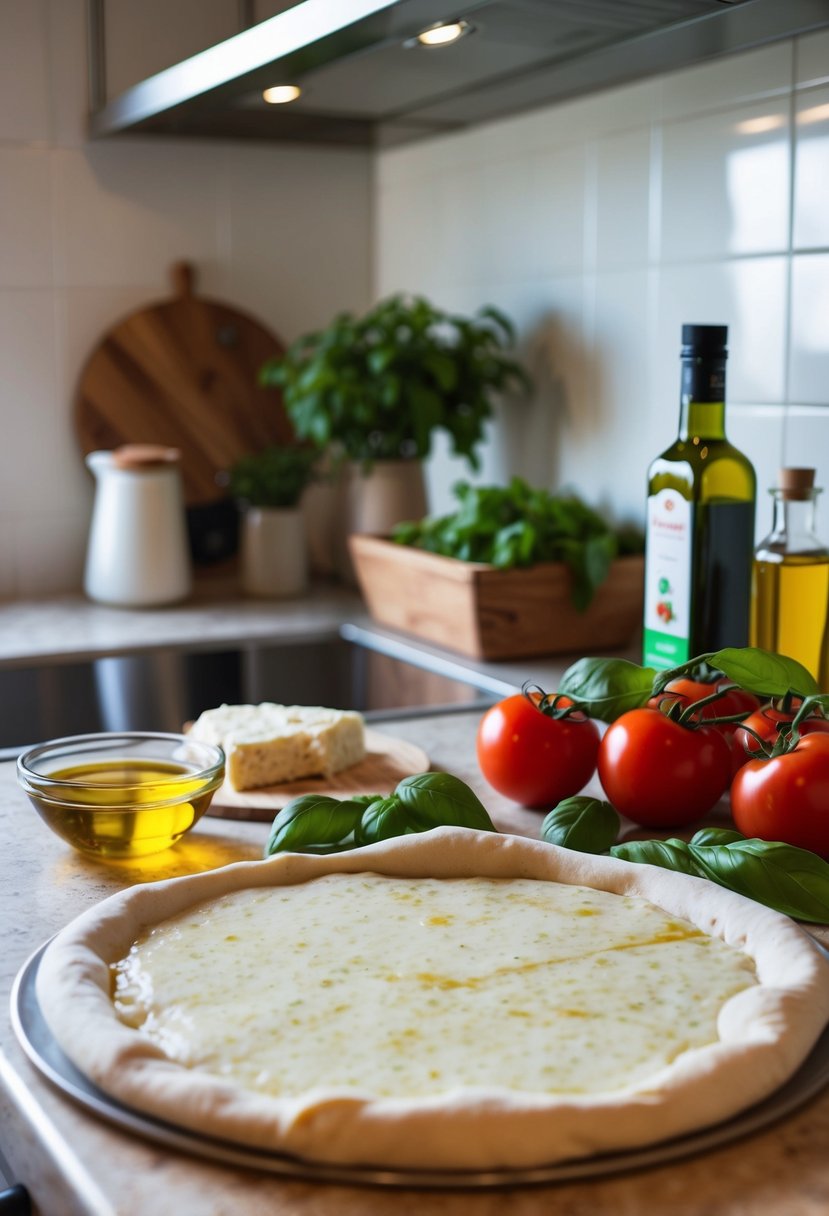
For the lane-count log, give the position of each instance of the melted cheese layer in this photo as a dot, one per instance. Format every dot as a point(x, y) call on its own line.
point(409, 987)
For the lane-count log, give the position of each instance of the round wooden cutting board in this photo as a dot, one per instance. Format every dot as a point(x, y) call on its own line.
point(387, 761)
point(183, 373)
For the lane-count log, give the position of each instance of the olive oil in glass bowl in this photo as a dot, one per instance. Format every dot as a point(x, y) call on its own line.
point(121, 795)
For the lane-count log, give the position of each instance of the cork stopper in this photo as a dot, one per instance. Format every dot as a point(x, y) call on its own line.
point(796, 484)
point(144, 456)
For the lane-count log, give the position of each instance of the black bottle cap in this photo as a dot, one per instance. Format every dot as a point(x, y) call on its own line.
point(705, 340)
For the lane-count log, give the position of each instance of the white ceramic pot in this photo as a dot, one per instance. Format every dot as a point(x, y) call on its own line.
point(274, 552)
point(138, 555)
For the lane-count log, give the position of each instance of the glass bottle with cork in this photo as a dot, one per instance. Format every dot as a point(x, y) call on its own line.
point(790, 585)
point(700, 519)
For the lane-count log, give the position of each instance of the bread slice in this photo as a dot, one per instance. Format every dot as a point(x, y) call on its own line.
point(270, 744)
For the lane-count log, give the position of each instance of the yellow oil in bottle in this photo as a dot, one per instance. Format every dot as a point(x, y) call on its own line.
point(123, 808)
point(790, 579)
point(789, 607)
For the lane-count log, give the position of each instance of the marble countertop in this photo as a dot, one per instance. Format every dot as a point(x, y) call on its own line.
point(77, 1165)
point(70, 628)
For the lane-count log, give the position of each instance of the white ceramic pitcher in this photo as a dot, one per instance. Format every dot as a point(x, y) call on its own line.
point(138, 554)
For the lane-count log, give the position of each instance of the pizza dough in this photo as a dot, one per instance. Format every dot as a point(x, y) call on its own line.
point(715, 1003)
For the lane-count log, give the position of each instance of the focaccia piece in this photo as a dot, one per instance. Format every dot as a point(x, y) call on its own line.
point(270, 744)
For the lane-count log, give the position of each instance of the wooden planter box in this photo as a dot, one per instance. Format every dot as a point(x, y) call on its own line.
point(472, 608)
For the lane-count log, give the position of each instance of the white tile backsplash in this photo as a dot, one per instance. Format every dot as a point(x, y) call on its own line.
point(729, 81)
point(622, 188)
point(806, 445)
point(811, 181)
point(808, 370)
point(812, 58)
point(809, 339)
point(747, 295)
point(599, 224)
point(25, 218)
point(725, 183)
point(126, 210)
point(24, 88)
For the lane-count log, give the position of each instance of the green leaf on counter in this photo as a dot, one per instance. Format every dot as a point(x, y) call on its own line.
point(383, 819)
point(781, 876)
point(436, 799)
point(607, 688)
point(789, 880)
point(667, 854)
point(708, 836)
point(315, 823)
point(587, 825)
point(761, 672)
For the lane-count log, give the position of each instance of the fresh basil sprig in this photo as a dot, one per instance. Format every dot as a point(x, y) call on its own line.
point(607, 688)
point(317, 823)
point(781, 876)
point(588, 825)
point(758, 671)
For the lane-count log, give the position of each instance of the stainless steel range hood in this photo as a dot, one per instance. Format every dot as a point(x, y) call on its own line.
point(364, 84)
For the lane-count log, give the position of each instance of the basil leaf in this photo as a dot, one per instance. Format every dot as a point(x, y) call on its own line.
point(385, 818)
point(708, 836)
point(781, 876)
point(668, 854)
point(759, 671)
point(588, 825)
point(313, 822)
point(607, 688)
point(435, 799)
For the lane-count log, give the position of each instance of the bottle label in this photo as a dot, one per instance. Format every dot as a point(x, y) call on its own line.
point(668, 556)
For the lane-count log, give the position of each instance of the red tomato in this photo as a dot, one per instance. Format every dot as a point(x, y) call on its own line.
point(661, 774)
point(787, 798)
point(735, 701)
point(533, 758)
point(769, 722)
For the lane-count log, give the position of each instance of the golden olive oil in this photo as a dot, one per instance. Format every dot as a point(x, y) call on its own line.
point(790, 580)
point(123, 808)
point(789, 607)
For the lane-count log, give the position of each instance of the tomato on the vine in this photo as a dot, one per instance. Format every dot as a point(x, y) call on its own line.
point(787, 797)
point(533, 756)
point(733, 701)
point(769, 723)
point(662, 773)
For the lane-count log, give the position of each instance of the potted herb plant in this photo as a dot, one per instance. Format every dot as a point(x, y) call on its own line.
point(376, 389)
point(268, 486)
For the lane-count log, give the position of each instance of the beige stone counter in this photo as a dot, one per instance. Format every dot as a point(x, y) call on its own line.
point(70, 627)
point(74, 1163)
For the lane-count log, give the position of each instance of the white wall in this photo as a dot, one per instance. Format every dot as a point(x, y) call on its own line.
point(598, 225)
point(87, 234)
point(601, 225)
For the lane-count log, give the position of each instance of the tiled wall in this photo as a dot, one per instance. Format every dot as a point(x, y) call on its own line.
point(87, 233)
point(601, 225)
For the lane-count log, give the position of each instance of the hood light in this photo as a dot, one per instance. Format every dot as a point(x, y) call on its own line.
point(441, 35)
point(280, 94)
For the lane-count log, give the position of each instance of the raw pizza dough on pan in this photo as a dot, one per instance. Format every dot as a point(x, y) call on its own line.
point(468, 1000)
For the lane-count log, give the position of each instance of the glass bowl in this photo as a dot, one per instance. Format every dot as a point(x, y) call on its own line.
point(121, 795)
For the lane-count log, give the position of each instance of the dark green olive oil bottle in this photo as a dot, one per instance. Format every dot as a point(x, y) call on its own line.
point(700, 519)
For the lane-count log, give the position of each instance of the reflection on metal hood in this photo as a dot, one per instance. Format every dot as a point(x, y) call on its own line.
point(366, 81)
